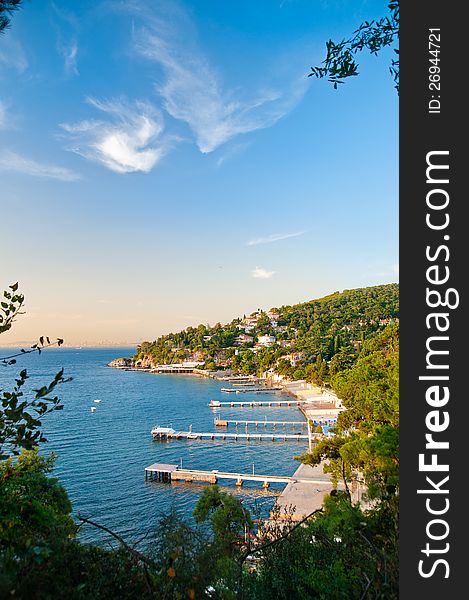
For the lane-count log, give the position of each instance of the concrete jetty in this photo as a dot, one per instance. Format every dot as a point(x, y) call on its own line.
point(253, 404)
point(258, 423)
point(306, 492)
point(168, 433)
point(245, 390)
point(168, 473)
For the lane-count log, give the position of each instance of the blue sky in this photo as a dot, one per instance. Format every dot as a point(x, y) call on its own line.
point(164, 164)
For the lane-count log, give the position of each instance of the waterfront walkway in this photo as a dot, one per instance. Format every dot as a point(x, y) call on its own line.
point(306, 492)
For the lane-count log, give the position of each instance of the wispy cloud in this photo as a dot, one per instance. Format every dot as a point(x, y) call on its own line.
point(13, 162)
point(69, 53)
point(12, 54)
point(130, 140)
point(192, 90)
point(66, 25)
point(231, 151)
point(3, 115)
point(260, 273)
point(274, 237)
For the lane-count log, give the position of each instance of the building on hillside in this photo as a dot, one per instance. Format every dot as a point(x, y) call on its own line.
point(250, 321)
point(243, 339)
point(265, 340)
point(285, 343)
point(294, 358)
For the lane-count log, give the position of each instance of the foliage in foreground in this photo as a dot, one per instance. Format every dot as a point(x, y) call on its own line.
point(340, 553)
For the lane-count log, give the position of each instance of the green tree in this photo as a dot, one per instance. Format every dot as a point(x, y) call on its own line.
point(20, 416)
point(229, 520)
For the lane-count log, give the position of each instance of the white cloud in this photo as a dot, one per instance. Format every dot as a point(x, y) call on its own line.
point(13, 162)
point(128, 141)
point(192, 90)
point(260, 273)
point(274, 237)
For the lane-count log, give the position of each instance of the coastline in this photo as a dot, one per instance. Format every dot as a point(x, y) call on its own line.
point(302, 495)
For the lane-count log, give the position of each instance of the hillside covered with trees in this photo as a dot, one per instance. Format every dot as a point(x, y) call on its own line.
point(312, 340)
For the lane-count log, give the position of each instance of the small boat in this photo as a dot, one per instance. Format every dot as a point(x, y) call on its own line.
point(93, 408)
point(96, 401)
point(191, 436)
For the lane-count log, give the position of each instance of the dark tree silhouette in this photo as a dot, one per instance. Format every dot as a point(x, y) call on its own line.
point(7, 8)
point(340, 60)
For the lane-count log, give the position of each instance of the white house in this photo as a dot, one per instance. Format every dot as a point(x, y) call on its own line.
point(266, 340)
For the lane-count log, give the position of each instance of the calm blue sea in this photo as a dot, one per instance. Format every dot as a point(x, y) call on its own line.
point(101, 455)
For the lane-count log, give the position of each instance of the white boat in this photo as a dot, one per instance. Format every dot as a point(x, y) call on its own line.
point(93, 408)
point(96, 401)
point(162, 431)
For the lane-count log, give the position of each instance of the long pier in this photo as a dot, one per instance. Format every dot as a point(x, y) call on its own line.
point(239, 378)
point(264, 423)
point(167, 433)
point(168, 473)
point(263, 390)
point(253, 404)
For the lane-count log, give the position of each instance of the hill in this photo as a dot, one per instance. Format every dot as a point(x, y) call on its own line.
point(312, 340)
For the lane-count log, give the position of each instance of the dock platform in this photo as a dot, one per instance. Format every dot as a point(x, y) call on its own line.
point(168, 473)
point(257, 390)
point(254, 403)
point(258, 423)
point(167, 433)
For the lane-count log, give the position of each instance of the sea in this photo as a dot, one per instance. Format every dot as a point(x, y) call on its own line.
point(101, 455)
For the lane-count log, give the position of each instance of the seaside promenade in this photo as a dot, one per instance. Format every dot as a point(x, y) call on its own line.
point(302, 494)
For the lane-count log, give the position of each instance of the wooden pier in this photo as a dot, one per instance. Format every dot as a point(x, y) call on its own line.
point(239, 378)
point(251, 389)
point(168, 473)
point(167, 433)
point(254, 404)
point(236, 422)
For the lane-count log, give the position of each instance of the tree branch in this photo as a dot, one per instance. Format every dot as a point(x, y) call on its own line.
point(283, 537)
point(138, 556)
